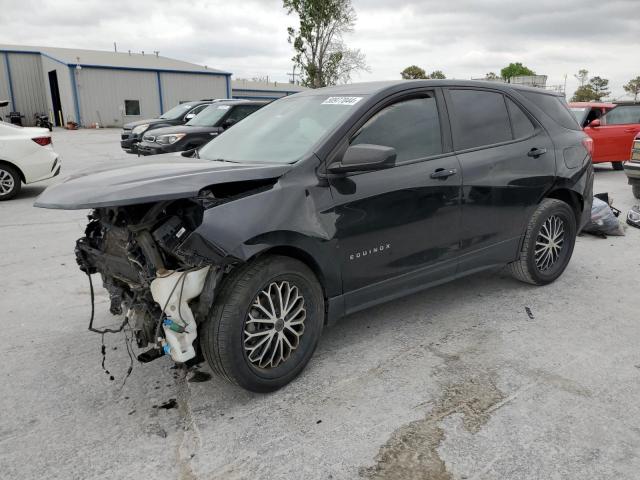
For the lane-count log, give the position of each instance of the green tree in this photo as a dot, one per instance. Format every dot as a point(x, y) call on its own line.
point(318, 43)
point(492, 76)
point(600, 87)
point(413, 72)
point(584, 93)
point(515, 70)
point(633, 88)
point(582, 76)
point(437, 75)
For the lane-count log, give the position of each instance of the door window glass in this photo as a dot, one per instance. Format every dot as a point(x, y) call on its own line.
point(479, 118)
point(241, 111)
point(623, 114)
point(522, 126)
point(412, 127)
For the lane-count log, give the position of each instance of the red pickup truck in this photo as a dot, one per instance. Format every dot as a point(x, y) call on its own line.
point(612, 128)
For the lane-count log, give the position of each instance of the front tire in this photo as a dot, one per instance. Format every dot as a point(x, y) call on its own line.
point(548, 243)
point(617, 165)
point(10, 182)
point(265, 323)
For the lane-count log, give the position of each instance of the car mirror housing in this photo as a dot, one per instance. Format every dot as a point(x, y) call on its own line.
point(594, 123)
point(189, 116)
point(365, 157)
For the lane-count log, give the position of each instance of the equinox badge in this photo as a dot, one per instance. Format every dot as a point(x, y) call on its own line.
point(371, 251)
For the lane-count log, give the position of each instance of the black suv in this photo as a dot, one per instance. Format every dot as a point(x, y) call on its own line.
point(132, 132)
point(208, 124)
point(328, 202)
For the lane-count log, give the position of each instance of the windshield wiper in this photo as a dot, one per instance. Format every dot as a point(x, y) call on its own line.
point(221, 160)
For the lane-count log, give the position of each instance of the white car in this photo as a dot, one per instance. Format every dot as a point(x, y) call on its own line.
point(26, 156)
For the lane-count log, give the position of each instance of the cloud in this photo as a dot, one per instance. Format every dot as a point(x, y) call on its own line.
point(464, 38)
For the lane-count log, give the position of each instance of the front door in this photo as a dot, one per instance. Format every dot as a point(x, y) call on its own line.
point(398, 228)
point(612, 140)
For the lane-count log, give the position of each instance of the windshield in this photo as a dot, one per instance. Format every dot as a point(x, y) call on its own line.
point(209, 116)
point(177, 111)
point(579, 113)
point(282, 132)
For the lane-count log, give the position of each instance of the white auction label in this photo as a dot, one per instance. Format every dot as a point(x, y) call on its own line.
point(341, 100)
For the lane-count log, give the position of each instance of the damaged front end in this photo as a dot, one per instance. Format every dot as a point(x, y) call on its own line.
point(146, 257)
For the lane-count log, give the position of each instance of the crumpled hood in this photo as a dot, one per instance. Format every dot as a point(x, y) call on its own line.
point(164, 177)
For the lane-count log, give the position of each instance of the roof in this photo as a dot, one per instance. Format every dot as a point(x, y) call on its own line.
point(275, 87)
point(369, 88)
point(108, 59)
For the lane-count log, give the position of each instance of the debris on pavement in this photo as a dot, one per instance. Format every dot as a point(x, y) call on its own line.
point(604, 219)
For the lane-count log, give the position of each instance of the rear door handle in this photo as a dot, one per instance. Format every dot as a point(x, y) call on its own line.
point(536, 152)
point(443, 173)
point(631, 130)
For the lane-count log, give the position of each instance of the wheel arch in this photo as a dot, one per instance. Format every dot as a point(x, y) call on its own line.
point(570, 197)
point(13, 165)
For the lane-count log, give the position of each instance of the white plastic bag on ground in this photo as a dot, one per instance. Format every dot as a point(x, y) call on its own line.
point(603, 221)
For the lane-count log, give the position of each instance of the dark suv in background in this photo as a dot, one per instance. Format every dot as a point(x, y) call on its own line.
point(132, 132)
point(327, 202)
point(208, 124)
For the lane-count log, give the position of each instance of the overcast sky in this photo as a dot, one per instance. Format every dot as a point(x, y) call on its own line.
point(463, 38)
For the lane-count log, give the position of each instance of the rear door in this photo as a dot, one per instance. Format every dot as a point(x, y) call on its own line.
point(507, 161)
point(612, 140)
point(398, 228)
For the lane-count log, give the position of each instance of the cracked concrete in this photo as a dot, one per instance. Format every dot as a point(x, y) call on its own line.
point(457, 382)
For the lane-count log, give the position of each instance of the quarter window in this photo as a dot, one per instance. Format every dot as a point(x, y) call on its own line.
point(622, 115)
point(412, 127)
point(520, 123)
point(132, 107)
point(479, 118)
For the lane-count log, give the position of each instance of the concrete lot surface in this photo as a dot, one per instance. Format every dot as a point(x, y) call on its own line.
point(458, 382)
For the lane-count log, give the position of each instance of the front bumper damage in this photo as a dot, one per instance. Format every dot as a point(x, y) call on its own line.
point(143, 254)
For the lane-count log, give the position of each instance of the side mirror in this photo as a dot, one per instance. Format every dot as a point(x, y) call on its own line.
point(364, 157)
point(594, 123)
point(4, 103)
point(229, 123)
point(189, 116)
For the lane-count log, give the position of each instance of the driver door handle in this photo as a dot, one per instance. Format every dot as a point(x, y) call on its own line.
point(443, 173)
point(536, 152)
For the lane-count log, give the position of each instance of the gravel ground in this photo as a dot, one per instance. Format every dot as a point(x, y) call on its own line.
point(458, 382)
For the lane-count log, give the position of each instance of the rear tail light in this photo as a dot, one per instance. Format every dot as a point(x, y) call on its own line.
point(42, 140)
point(587, 142)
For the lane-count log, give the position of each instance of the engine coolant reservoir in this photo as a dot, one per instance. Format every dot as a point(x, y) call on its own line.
point(175, 290)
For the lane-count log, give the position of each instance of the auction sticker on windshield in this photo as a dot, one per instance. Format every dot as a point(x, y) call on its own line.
point(341, 100)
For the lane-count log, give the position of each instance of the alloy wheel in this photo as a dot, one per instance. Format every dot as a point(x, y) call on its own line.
point(7, 182)
point(549, 243)
point(274, 324)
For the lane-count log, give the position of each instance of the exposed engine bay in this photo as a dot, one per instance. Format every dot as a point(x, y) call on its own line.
point(152, 272)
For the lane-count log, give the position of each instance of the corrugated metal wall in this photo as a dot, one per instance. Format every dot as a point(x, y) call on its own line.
point(4, 88)
point(28, 85)
point(64, 87)
point(178, 87)
point(102, 93)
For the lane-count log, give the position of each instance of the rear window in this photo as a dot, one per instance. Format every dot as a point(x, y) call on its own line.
point(479, 118)
point(520, 122)
point(622, 115)
point(554, 107)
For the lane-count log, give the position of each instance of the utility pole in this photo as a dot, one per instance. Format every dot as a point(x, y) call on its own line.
point(115, 47)
point(293, 75)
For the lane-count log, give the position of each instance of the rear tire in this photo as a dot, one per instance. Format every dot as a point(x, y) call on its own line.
point(10, 182)
point(548, 243)
point(636, 190)
point(617, 165)
point(276, 300)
